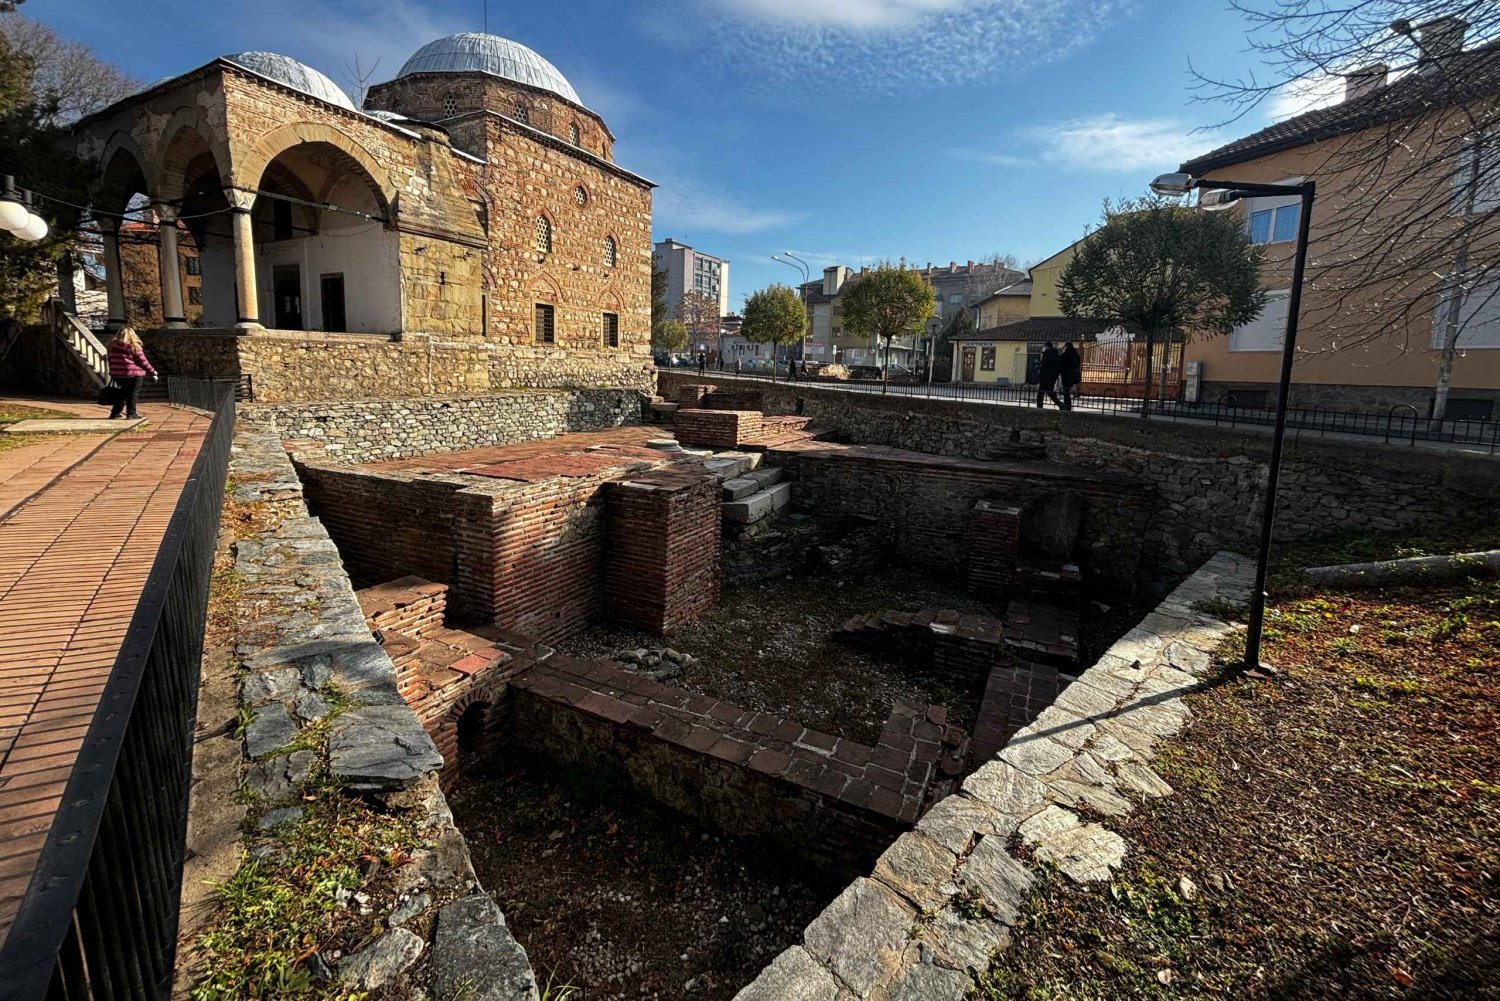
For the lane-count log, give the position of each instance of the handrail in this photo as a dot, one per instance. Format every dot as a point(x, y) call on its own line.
point(99, 917)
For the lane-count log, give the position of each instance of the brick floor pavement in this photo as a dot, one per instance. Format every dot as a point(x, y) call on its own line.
point(73, 561)
point(25, 469)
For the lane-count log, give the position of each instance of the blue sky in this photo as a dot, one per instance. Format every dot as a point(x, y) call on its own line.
point(844, 130)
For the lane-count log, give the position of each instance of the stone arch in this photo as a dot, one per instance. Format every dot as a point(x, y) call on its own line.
point(543, 286)
point(122, 175)
point(186, 142)
point(610, 300)
point(249, 168)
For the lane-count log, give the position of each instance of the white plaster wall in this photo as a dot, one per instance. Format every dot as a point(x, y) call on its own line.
point(365, 252)
point(219, 309)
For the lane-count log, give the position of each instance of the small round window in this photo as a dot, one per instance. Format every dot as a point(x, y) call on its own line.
point(580, 196)
point(450, 105)
point(574, 136)
point(523, 114)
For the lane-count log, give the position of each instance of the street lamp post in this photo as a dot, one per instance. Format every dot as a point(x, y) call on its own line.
point(801, 266)
point(1219, 195)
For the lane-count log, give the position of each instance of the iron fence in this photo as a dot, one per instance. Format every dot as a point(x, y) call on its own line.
point(204, 393)
point(99, 917)
point(1401, 423)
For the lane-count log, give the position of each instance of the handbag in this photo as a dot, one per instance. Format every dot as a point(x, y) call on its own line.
point(109, 394)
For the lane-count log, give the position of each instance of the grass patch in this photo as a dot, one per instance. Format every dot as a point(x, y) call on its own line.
point(276, 913)
point(10, 413)
point(1336, 825)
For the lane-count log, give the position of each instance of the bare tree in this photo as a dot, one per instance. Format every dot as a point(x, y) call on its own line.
point(65, 71)
point(359, 78)
point(1406, 242)
point(700, 314)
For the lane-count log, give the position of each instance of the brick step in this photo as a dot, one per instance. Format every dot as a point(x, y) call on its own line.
point(759, 505)
point(1054, 584)
point(752, 482)
point(1044, 633)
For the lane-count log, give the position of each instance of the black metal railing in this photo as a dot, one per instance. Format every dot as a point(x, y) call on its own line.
point(204, 393)
point(1401, 423)
point(99, 917)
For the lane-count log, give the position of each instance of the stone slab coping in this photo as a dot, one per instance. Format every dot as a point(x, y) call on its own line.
point(74, 425)
point(1412, 570)
point(945, 898)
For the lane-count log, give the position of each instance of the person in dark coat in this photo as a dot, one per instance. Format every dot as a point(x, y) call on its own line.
point(1072, 373)
point(702, 361)
point(1051, 368)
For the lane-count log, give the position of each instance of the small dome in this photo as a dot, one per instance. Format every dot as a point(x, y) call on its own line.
point(475, 52)
point(298, 76)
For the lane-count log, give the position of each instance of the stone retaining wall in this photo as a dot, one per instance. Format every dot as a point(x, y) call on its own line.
point(289, 366)
point(943, 899)
point(322, 705)
point(368, 430)
point(1208, 480)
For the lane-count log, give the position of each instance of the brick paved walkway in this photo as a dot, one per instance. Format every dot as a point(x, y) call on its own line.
point(25, 469)
point(73, 561)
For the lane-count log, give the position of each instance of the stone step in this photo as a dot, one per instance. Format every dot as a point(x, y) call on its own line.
point(766, 475)
point(754, 481)
point(761, 504)
point(731, 464)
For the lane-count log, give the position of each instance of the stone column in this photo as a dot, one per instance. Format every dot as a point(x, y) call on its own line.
point(172, 313)
point(244, 260)
point(114, 282)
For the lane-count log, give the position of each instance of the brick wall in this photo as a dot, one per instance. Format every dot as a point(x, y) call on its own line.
point(661, 559)
point(993, 540)
point(715, 428)
point(753, 774)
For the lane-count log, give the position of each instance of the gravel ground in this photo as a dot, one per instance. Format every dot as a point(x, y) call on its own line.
point(625, 899)
point(770, 647)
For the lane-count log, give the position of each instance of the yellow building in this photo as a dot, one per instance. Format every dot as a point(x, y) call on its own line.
point(1351, 355)
point(1004, 306)
point(989, 356)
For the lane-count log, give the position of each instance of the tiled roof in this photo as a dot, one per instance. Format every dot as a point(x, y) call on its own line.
point(1021, 288)
point(1471, 74)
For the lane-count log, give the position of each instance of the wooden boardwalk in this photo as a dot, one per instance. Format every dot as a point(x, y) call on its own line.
point(74, 558)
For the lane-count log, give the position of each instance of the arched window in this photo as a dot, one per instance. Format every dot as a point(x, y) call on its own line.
point(523, 114)
point(450, 105)
point(580, 196)
point(574, 136)
point(543, 234)
point(609, 251)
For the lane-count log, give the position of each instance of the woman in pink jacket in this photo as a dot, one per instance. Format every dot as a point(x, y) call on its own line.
point(128, 366)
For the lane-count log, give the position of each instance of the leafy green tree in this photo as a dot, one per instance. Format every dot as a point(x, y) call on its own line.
point(774, 315)
point(887, 301)
point(31, 138)
point(1161, 267)
point(700, 315)
point(668, 335)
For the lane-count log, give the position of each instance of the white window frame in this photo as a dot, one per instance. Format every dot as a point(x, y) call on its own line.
point(1274, 204)
point(1481, 304)
point(1487, 199)
point(1270, 326)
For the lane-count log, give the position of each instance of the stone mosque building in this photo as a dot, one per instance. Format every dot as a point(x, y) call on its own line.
point(467, 229)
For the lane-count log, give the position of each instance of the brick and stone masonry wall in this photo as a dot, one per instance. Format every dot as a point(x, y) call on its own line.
point(928, 502)
point(1207, 480)
point(944, 899)
point(368, 430)
point(751, 773)
point(993, 540)
point(661, 559)
point(300, 632)
point(715, 428)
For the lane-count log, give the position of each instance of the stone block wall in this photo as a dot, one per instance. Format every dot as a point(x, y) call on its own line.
point(1207, 480)
point(39, 362)
point(661, 558)
point(375, 429)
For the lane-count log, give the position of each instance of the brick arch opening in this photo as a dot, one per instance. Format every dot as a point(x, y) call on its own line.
point(471, 728)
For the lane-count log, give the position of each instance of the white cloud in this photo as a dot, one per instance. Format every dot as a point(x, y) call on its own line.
point(685, 207)
point(1112, 143)
point(880, 45)
point(993, 159)
point(1300, 96)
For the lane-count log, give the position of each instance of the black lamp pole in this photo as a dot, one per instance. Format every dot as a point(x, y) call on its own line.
point(1233, 191)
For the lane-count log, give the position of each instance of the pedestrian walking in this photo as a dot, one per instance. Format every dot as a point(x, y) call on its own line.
point(128, 367)
point(1051, 368)
point(1072, 373)
point(702, 361)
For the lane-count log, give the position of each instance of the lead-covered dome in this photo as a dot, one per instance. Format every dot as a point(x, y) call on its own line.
point(476, 52)
point(298, 76)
